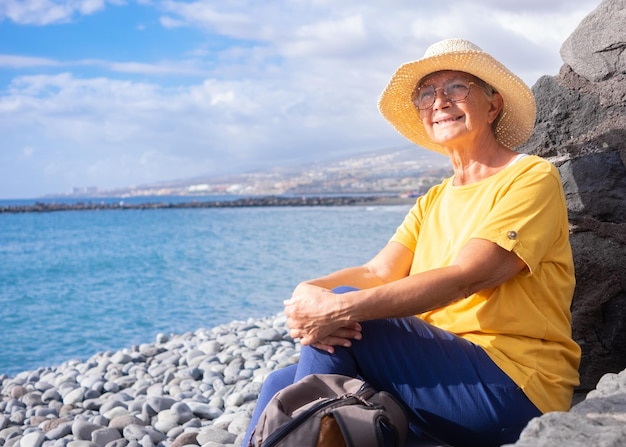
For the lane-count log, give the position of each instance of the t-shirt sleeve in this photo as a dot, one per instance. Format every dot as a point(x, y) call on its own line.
point(528, 217)
point(407, 233)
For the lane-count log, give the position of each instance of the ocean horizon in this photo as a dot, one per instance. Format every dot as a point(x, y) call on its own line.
point(71, 199)
point(76, 283)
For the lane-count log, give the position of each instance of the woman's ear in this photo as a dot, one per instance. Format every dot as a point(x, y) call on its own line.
point(495, 108)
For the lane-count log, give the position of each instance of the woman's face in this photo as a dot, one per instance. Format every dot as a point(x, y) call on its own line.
point(460, 111)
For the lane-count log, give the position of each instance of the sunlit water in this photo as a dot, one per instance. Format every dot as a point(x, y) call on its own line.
point(76, 283)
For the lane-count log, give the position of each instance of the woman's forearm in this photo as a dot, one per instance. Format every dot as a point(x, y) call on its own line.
point(390, 264)
point(360, 277)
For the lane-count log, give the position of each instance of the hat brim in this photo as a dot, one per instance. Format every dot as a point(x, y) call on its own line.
point(517, 119)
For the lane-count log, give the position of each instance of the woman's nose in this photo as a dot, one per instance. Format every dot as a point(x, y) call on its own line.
point(441, 99)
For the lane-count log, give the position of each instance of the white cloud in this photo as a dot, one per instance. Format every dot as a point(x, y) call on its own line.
point(344, 37)
point(528, 26)
point(171, 68)
point(16, 61)
point(169, 22)
point(262, 83)
point(212, 15)
point(44, 12)
point(160, 68)
point(177, 131)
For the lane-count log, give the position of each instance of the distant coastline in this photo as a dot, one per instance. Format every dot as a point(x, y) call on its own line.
point(253, 201)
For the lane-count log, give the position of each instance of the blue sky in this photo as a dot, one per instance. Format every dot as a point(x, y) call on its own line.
point(115, 93)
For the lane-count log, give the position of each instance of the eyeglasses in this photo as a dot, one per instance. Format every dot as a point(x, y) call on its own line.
point(455, 90)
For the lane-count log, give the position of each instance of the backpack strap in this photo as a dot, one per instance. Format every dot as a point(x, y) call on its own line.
point(373, 426)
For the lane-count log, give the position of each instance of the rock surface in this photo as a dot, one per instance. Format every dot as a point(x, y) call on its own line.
point(599, 420)
point(581, 128)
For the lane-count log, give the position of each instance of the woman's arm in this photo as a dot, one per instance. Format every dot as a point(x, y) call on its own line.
point(314, 313)
point(393, 262)
point(390, 264)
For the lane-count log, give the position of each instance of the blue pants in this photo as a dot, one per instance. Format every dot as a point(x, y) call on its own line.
point(452, 391)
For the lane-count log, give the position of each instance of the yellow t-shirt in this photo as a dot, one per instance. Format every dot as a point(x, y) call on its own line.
point(524, 325)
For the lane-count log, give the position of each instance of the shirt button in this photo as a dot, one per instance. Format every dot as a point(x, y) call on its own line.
point(512, 235)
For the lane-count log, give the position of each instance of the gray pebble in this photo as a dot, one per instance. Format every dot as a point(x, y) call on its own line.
point(253, 343)
point(121, 357)
point(166, 420)
point(185, 439)
point(120, 422)
point(234, 400)
point(215, 435)
point(60, 431)
point(161, 338)
point(111, 404)
point(103, 436)
point(270, 335)
point(33, 439)
point(52, 424)
point(115, 412)
point(74, 396)
point(204, 411)
point(134, 432)
point(79, 443)
point(50, 395)
point(121, 442)
point(210, 347)
point(82, 429)
point(156, 404)
point(47, 412)
point(239, 424)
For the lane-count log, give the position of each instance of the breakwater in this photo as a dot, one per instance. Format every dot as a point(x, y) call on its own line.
point(255, 201)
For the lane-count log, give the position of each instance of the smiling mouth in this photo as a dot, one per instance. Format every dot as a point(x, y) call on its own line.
point(448, 120)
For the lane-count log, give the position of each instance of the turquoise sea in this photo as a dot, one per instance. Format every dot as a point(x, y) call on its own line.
point(75, 283)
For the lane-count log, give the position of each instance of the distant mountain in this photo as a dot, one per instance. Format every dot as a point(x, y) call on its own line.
point(405, 170)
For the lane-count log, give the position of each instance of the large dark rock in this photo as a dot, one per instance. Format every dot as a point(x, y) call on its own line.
point(595, 49)
point(581, 128)
point(598, 421)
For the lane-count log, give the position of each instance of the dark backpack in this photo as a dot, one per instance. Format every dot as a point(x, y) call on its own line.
point(331, 410)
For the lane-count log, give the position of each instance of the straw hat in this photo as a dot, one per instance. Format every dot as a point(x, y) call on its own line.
point(517, 119)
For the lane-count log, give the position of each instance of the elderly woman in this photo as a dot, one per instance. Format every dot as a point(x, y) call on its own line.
point(464, 315)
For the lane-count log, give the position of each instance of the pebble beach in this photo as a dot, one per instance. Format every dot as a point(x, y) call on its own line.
point(200, 388)
point(197, 388)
